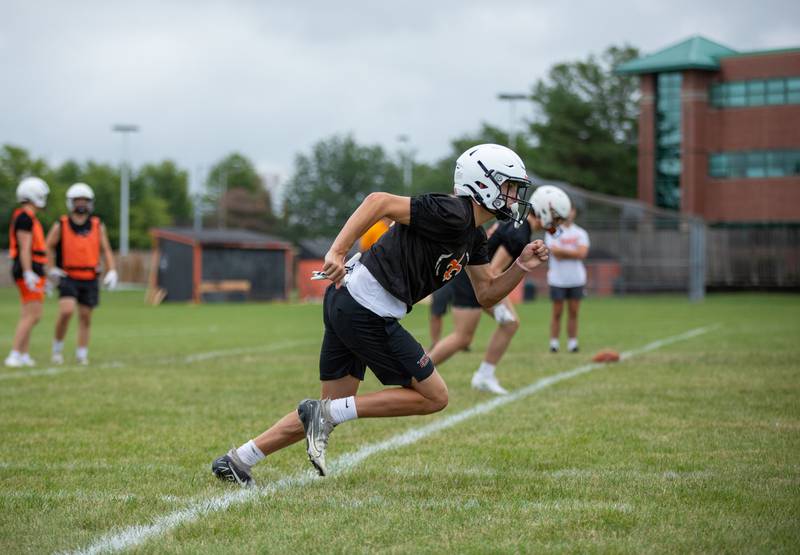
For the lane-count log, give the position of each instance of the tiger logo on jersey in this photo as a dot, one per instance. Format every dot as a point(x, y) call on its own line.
point(453, 266)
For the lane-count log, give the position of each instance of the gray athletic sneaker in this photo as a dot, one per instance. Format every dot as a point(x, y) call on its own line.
point(316, 418)
point(230, 468)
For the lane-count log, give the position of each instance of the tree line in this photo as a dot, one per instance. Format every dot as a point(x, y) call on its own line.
point(584, 131)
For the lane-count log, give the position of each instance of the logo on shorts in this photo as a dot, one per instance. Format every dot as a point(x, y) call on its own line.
point(423, 362)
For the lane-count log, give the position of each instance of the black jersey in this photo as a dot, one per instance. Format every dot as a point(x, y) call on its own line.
point(411, 261)
point(511, 238)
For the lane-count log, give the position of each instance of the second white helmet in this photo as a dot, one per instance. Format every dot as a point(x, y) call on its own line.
point(33, 190)
point(480, 173)
point(551, 205)
point(79, 190)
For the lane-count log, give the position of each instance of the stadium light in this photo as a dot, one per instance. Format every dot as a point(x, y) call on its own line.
point(407, 156)
point(124, 194)
point(512, 99)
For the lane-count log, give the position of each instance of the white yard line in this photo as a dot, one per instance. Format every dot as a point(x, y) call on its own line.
point(137, 534)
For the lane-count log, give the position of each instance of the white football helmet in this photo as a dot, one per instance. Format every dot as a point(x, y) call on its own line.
point(79, 190)
point(33, 190)
point(480, 173)
point(551, 205)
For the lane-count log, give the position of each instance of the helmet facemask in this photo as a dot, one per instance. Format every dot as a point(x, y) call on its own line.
point(506, 206)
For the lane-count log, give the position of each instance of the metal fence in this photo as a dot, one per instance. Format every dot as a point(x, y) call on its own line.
point(660, 250)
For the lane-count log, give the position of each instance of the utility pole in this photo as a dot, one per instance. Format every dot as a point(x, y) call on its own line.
point(124, 190)
point(512, 99)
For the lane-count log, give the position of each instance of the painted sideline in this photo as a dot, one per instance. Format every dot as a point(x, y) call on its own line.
point(137, 534)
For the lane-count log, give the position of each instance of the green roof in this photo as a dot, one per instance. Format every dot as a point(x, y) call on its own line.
point(694, 53)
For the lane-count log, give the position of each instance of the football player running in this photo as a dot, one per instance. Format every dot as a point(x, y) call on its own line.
point(435, 236)
point(75, 243)
point(551, 208)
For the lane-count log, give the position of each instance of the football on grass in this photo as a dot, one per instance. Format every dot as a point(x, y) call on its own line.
point(606, 355)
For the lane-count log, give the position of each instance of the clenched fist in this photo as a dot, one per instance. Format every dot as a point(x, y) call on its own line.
point(532, 255)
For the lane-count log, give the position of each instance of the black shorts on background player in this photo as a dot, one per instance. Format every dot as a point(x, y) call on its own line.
point(463, 292)
point(506, 236)
point(85, 291)
point(561, 293)
point(442, 298)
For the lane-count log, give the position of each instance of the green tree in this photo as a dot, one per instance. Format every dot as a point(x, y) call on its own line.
point(331, 181)
point(438, 176)
point(238, 192)
point(235, 170)
point(586, 133)
point(170, 183)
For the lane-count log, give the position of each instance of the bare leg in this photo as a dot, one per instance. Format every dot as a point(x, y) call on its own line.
point(66, 306)
point(84, 323)
point(289, 430)
point(425, 397)
point(30, 314)
point(501, 337)
point(555, 322)
point(465, 322)
point(435, 322)
point(573, 306)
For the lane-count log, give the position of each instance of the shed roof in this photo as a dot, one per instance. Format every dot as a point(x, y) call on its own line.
point(242, 237)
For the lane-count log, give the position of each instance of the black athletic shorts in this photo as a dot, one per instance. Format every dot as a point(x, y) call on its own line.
point(561, 293)
point(463, 293)
point(442, 297)
point(86, 291)
point(356, 337)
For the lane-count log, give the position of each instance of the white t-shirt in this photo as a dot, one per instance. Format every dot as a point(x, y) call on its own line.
point(567, 272)
point(370, 294)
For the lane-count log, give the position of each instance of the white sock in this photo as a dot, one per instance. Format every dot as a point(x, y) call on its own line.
point(343, 410)
point(58, 347)
point(554, 343)
point(486, 370)
point(572, 343)
point(25, 357)
point(250, 454)
point(82, 352)
point(15, 354)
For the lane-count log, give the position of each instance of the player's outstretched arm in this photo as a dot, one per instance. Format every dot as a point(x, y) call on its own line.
point(490, 287)
point(372, 209)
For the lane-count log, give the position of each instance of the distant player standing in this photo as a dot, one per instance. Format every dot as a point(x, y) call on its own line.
point(566, 277)
point(551, 207)
point(76, 242)
point(434, 237)
point(27, 250)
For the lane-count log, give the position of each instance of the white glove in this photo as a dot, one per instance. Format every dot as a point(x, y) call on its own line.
point(111, 279)
point(503, 314)
point(55, 274)
point(31, 280)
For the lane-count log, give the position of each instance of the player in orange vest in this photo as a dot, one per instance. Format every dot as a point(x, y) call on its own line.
point(373, 234)
point(75, 243)
point(27, 250)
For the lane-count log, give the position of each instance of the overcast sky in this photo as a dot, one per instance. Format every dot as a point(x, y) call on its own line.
point(269, 79)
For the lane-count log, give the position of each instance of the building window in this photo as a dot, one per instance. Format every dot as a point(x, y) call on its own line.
point(754, 164)
point(756, 92)
point(668, 140)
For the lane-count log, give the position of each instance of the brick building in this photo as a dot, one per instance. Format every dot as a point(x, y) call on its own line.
point(719, 132)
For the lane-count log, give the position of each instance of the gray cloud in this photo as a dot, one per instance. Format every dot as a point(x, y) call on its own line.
point(271, 78)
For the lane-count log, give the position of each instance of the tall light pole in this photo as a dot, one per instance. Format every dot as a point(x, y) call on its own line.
point(512, 99)
point(124, 193)
point(407, 157)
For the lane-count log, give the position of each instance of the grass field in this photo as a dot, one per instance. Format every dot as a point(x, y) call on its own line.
point(691, 447)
